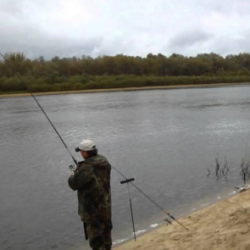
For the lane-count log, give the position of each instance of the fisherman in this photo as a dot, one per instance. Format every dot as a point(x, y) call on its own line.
point(91, 179)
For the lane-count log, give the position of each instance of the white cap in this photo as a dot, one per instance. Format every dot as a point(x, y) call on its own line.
point(86, 145)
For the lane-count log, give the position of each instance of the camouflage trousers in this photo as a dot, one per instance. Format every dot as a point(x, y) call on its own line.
point(99, 233)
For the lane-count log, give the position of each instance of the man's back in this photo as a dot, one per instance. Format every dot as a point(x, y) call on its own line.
point(92, 181)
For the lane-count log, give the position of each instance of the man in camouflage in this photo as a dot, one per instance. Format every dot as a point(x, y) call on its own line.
point(91, 179)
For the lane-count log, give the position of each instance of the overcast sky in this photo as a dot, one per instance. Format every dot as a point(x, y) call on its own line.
point(131, 27)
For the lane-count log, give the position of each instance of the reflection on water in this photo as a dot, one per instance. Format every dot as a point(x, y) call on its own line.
point(219, 104)
point(165, 139)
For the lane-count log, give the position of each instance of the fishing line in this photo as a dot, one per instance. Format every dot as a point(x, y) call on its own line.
point(156, 204)
point(126, 179)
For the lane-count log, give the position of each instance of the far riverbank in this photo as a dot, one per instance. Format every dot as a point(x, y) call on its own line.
point(210, 85)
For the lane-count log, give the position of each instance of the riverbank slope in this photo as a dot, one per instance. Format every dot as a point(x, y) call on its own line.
point(210, 85)
point(221, 226)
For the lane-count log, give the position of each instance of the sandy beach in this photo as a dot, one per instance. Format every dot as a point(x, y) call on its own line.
point(211, 85)
point(224, 225)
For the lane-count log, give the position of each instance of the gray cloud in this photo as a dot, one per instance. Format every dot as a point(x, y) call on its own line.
point(51, 46)
point(98, 27)
point(225, 45)
point(188, 39)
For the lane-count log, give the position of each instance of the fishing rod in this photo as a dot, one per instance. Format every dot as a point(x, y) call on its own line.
point(21, 79)
point(74, 160)
point(126, 179)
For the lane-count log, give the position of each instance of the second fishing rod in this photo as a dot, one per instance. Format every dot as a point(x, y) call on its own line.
point(127, 180)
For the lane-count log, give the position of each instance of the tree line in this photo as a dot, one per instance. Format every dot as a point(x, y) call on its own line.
point(118, 71)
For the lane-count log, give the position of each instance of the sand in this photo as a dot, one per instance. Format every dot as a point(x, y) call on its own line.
point(224, 225)
point(210, 85)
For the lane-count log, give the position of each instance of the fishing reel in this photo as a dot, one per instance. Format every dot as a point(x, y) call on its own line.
point(72, 168)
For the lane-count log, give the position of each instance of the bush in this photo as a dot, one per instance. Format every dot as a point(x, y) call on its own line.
point(12, 84)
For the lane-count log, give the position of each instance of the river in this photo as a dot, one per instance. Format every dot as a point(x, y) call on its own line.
point(165, 139)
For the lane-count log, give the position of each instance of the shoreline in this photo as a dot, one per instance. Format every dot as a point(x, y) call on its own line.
point(223, 225)
point(210, 85)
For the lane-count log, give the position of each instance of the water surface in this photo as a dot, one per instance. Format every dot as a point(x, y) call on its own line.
point(165, 139)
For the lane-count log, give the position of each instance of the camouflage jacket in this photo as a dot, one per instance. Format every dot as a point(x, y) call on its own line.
point(92, 182)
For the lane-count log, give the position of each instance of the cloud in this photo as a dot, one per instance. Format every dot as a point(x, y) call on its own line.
point(108, 27)
point(189, 39)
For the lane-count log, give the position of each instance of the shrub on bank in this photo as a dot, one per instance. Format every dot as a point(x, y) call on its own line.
point(31, 84)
